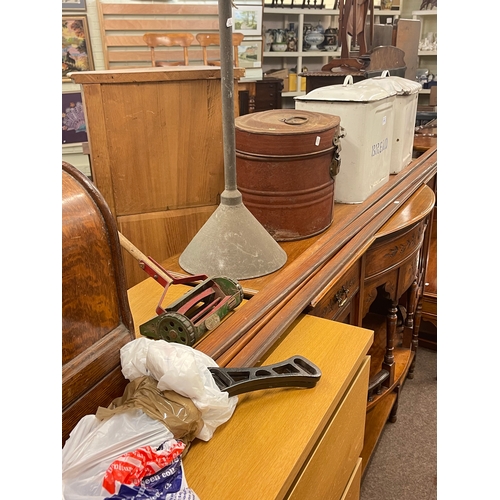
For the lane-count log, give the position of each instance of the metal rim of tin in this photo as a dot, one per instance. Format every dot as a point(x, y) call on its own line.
point(303, 156)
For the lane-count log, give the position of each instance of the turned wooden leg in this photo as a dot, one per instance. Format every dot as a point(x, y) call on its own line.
point(393, 416)
point(392, 323)
point(410, 317)
point(414, 340)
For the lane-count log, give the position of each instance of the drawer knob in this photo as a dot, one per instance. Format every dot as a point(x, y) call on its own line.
point(341, 296)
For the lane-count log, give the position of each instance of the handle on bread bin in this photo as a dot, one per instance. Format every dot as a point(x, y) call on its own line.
point(348, 80)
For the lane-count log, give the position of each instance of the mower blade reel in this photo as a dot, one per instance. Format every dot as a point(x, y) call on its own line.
point(194, 314)
point(296, 371)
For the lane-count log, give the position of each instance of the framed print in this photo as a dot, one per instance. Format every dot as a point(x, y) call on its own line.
point(74, 5)
point(76, 50)
point(247, 20)
point(250, 54)
point(74, 128)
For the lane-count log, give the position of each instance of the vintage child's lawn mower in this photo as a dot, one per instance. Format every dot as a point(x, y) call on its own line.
point(198, 311)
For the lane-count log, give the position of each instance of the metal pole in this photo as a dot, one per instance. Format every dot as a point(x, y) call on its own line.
point(231, 195)
point(232, 242)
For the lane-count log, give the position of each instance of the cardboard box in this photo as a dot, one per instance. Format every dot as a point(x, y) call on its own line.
point(280, 73)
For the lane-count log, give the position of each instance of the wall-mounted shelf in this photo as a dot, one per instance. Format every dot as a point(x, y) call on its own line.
point(417, 13)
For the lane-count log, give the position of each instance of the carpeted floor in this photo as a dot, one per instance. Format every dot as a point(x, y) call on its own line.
point(404, 464)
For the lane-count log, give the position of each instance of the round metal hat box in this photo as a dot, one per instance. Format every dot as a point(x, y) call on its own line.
point(286, 162)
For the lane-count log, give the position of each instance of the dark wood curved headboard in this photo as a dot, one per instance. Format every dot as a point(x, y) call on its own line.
point(96, 317)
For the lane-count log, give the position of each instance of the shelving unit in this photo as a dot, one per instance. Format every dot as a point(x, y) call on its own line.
point(276, 18)
point(280, 18)
point(427, 58)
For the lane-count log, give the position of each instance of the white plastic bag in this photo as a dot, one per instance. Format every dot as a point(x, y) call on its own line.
point(182, 369)
point(94, 444)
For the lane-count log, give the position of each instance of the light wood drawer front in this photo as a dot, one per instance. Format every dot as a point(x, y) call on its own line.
point(332, 462)
point(388, 253)
point(339, 295)
point(353, 487)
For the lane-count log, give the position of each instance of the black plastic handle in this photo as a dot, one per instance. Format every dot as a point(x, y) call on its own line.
point(296, 371)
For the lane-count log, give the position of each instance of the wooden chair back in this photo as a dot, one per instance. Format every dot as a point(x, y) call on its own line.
point(96, 317)
point(154, 40)
point(207, 39)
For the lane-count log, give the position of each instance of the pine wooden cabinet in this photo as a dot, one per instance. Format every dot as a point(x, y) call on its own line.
point(155, 137)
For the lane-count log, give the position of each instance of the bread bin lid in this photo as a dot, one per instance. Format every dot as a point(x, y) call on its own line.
point(402, 86)
point(348, 92)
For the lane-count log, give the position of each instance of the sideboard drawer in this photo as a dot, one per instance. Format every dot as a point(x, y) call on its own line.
point(338, 296)
point(389, 252)
point(334, 459)
point(353, 488)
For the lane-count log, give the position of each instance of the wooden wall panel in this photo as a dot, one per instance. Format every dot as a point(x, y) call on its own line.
point(122, 27)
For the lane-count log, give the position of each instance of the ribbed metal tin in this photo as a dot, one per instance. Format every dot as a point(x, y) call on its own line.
point(285, 162)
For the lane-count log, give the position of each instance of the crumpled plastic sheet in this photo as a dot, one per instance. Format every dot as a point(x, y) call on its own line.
point(178, 413)
point(182, 369)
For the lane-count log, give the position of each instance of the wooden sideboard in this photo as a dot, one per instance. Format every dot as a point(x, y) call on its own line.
point(426, 138)
point(367, 270)
point(285, 443)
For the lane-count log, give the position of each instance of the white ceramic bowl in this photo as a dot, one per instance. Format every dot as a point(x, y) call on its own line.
point(279, 47)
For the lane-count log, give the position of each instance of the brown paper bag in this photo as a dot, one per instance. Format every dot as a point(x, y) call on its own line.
point(178, 413)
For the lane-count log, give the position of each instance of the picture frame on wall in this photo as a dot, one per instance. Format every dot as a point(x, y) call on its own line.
point(247, 19)
point(74, 128)
point(76, 47)
point(250, 54)
point(74, 5)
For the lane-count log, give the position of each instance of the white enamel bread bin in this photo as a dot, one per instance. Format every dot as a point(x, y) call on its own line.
point(366, 116)
point(405, 115)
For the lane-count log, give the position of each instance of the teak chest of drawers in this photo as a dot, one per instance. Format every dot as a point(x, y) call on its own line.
point(286, 443)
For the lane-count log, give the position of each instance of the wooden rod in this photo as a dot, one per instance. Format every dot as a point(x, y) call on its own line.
point(275, 327)
point(286, 283)
point(140, 257)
